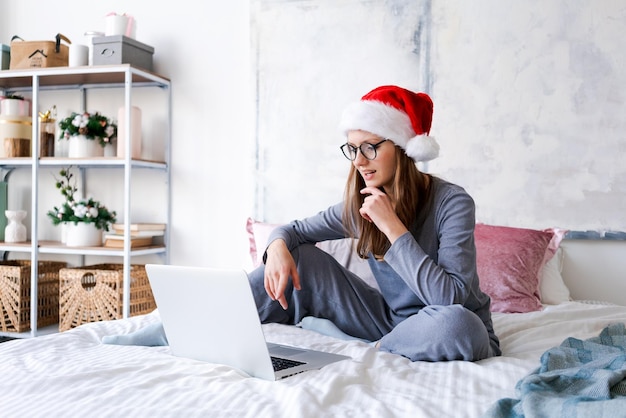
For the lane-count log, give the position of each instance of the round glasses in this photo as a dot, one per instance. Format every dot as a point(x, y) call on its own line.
point(367, 150)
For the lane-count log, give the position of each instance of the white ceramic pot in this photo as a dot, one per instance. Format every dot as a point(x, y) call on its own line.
point(15, 107)
point(82, 147)
point(82, 234)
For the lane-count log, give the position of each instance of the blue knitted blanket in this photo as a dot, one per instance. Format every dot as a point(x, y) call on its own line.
point(579, 378)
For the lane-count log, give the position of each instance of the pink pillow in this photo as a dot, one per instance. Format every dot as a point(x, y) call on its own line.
point(510, 261)
point(258, 233)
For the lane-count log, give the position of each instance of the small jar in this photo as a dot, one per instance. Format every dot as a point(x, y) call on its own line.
point(47, 129)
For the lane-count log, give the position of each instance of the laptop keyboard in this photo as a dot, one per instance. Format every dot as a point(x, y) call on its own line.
point(283, 363)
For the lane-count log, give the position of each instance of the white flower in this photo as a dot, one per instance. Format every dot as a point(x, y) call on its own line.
point(80, 121)
point(80, 210)
point(93, 212)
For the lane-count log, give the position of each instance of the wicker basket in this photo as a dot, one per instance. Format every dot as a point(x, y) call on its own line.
point(95, 293)
point(15, 294)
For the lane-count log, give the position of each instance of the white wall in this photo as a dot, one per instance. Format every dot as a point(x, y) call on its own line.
point(529, 100)
point(531, 104)
point(203, 47)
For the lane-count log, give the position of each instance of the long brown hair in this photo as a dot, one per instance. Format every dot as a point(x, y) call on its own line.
point(409, 195)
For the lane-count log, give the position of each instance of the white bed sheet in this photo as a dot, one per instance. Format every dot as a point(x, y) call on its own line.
point(72, 374)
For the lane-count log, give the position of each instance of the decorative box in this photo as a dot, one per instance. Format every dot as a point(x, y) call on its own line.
point(5, 57)
point(120, 49)
point(95, 293)
point(39, 54)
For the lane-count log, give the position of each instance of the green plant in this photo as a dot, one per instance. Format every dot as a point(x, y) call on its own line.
point(92, 125)
point(83, 210)
point(14, 97)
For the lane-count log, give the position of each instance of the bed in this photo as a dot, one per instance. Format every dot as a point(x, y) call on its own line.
point(73, 374)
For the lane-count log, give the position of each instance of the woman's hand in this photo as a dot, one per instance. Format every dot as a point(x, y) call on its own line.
point(378, 208)
point(279, 267)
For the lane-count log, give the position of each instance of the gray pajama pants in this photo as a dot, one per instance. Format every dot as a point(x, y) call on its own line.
point(328, 290)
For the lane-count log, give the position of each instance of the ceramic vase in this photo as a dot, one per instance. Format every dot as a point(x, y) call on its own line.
point(15, 231)
point(82, 234)
point(82, 147)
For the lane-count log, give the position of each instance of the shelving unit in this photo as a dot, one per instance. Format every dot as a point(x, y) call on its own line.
point(86, 78)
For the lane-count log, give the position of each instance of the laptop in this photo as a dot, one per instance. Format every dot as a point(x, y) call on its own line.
point(210, 315)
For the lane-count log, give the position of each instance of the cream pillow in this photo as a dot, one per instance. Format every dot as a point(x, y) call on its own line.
point(551, 286)
point(341, 250)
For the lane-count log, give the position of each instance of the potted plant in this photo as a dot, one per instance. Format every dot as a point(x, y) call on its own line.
point(88, 134)
point(85, 219)
point(14, 105)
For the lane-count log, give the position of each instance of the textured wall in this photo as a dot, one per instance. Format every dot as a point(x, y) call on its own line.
point(312, 58)
point(529, 101)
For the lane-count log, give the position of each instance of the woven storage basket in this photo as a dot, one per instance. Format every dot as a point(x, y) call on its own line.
point(95, 293)
point(15, 294)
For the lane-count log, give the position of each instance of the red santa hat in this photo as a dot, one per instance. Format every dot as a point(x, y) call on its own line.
point(397, 114)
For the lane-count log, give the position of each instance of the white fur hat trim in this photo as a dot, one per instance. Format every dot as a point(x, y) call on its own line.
point(389, 123)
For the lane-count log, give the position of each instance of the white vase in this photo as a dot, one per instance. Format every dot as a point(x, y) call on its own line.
point(15, 231)
point(82, 147)
point(82, 234)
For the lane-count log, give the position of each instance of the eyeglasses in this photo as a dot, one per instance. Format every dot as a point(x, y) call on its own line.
point(367, 150)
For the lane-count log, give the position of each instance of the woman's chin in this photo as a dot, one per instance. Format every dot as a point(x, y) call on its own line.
point(372, 183)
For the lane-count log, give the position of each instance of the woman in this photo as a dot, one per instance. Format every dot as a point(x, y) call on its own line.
point(416, 230)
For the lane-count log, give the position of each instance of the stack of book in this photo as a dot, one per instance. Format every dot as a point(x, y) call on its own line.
point(141, 235)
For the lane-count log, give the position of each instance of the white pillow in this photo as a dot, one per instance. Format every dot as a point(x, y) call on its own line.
point(552, 288)
point(341, 250)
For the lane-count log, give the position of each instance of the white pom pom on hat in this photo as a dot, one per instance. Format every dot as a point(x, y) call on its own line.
point(397, 114)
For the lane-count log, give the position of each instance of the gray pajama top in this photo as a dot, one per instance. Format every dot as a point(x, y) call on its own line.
point(432, 264)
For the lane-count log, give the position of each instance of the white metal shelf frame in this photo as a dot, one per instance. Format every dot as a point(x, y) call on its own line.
point(64, 78)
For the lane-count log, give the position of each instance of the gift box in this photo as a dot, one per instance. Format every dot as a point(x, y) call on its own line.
point(5, 57)
point(120, 49)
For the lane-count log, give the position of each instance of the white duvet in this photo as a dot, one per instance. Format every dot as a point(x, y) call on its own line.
point(72, 375)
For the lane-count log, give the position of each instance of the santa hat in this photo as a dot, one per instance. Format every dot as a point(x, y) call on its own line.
point(397, 114)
